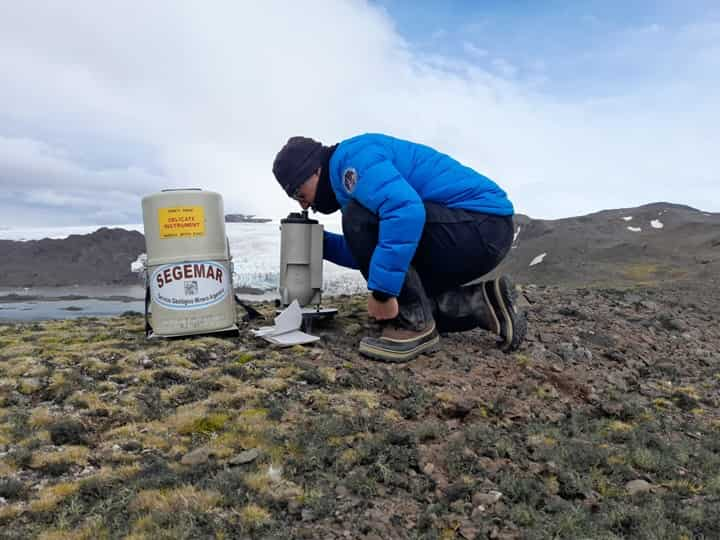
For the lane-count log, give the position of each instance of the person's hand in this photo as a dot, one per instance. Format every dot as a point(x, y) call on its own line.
point(383, 310)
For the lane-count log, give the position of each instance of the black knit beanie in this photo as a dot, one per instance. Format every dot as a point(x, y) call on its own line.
point(296, 162)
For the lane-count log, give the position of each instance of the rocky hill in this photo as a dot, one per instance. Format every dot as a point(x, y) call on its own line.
point(643, 245)
point(100, 258)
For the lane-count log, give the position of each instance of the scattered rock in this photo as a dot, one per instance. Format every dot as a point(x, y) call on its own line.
point(618, 381)
point(146, 362)
point(70, 431)
point(468, 531)
point(486, 499)
point(197, 457)
point(457, 407)
point(566, 351)
point(546, 338)
point(131, 446)
point(244, 457)
point(557, 504)
point(11, 489)
point(478, 514)
point(638, 486)
point(674, 324)
point(457, 491)
point(650, 305)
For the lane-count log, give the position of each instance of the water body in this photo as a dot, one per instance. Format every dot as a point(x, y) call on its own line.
point(66, 309)
point(45, 303)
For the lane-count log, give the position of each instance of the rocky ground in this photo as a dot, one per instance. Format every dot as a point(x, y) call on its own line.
point(606, 424)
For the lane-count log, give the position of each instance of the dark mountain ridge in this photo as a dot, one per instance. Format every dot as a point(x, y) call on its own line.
point(99, 258)
point(644, 245)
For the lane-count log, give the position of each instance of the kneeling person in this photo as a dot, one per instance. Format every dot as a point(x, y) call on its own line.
point(419, 226)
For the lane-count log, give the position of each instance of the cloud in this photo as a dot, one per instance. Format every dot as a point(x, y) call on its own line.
point(440, 33)
point(473, 50)
point(505, 68)
point(27, 165)
point(207, 93)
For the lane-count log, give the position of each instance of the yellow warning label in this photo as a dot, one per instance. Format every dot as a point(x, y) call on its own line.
point(181, 222)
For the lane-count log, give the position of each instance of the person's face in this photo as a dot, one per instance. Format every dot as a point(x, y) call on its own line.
point(305, 194)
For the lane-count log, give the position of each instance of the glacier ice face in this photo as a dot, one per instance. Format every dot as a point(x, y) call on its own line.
point(255, 248)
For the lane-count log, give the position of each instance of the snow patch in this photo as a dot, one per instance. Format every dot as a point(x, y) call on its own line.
point(538, 259)
point(656, 224)
point(634, 229)
point(627, 218)
point(517, 233)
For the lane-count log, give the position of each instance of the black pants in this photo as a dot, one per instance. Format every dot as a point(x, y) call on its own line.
point(457, 246)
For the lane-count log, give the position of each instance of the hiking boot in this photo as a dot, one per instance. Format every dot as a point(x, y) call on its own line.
point(410, 333)
point(489, 305)
point(513, 325)
point(398, 344)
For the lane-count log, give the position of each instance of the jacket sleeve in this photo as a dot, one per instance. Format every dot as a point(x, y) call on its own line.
point(382, 189)
point(336, 250)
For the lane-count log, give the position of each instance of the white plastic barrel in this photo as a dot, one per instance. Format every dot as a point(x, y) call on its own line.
point(189, 267)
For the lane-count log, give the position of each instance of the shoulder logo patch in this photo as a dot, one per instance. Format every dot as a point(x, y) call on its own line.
point(349, 179)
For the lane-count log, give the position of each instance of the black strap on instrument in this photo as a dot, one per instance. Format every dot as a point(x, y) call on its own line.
point(251, 312)
point(148, 327)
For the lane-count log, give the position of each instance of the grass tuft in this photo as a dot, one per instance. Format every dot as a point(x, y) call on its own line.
point(182, 499)
point(51, 496)
point(254, 517)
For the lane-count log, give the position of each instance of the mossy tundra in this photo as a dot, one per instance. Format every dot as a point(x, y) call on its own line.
point(605, 425)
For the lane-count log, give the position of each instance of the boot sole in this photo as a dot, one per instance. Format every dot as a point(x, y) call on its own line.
point(515, 324)
point(496, 328)
point(377, 352)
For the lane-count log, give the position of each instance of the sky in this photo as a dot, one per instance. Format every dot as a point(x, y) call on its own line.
point(571, 107)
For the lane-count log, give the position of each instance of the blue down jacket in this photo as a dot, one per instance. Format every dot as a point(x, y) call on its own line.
point(392, 178)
